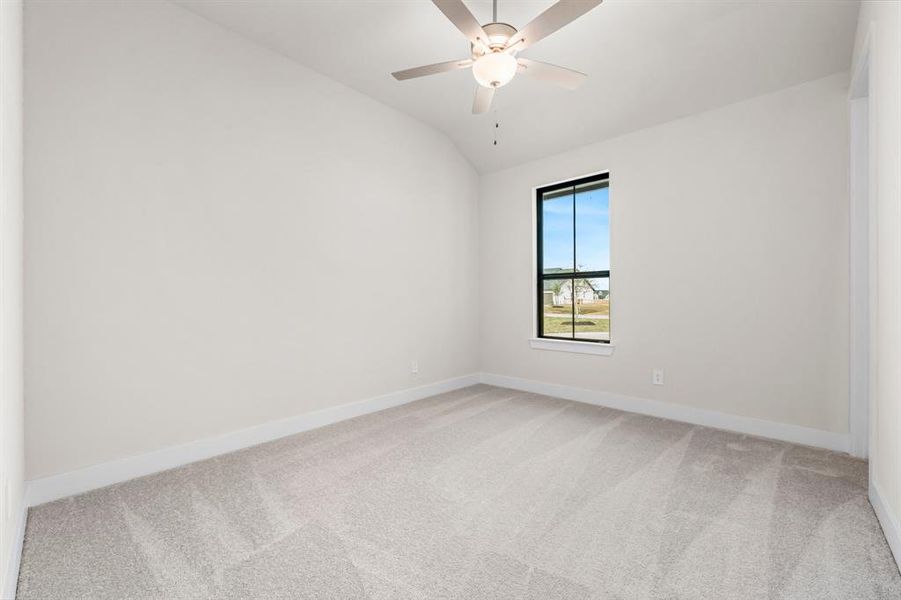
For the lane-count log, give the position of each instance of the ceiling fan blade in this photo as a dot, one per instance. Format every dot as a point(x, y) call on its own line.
point(451, 65)
point(561, 76)
point(482, 102)
point(460, 16)
point(560, 14)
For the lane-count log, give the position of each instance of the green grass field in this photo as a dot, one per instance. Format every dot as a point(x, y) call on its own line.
point(601, 307)
point(584, 324)
point(587, 321)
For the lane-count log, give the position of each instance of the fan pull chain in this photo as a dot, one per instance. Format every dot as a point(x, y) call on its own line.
point(497, 126)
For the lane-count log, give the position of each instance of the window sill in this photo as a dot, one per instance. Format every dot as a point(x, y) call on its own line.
point(571, 346)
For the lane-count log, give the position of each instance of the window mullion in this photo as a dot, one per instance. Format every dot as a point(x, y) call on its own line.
point(572, 289)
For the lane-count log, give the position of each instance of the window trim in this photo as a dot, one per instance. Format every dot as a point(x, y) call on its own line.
point(570, 345)
point(539, 338)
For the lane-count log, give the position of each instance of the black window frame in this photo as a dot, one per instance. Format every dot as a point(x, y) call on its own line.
point(541, 277)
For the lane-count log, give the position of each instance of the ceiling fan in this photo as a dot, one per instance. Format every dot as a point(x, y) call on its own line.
point(494, 47)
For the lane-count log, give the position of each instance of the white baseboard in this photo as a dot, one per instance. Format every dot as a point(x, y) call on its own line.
point(83, 480)
point(890, 525)
point(839, 442)
point(15, 559)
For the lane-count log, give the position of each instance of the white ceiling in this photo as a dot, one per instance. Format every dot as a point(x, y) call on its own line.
point(648, 61)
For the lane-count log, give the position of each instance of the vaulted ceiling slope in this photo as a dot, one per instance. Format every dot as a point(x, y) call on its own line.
point(648, 61)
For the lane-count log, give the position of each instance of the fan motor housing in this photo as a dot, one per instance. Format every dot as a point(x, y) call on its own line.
point(498, 34)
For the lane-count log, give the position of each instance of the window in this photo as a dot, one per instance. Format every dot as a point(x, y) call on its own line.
point(573, 267)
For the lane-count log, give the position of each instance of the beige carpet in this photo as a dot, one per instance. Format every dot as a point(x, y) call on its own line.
point(480, 493)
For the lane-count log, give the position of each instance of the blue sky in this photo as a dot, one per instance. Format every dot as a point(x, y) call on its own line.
point(592, 231)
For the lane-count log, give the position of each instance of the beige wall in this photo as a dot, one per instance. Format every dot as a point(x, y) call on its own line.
point(880, 23)
point(729, 261)
point(217, 237)
point(12, 460)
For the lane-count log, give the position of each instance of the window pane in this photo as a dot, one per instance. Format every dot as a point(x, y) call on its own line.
point(557, 232)
point(593, 228)
point(557, 309)
point(592, 309)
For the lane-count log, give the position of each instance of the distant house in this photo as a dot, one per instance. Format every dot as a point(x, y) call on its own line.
point(558, 292)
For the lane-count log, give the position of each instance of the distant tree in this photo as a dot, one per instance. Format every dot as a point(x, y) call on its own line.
point(582, 287)
point(556, 287)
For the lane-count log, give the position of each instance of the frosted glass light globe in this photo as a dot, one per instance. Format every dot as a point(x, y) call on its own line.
point(494, 69)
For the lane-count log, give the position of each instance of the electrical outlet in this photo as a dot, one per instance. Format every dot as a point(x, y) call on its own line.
point(657, 377)
point(414, 367)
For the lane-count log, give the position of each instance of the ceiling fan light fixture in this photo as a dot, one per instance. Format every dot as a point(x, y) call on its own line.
point(493, 48)
point(494, 69)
